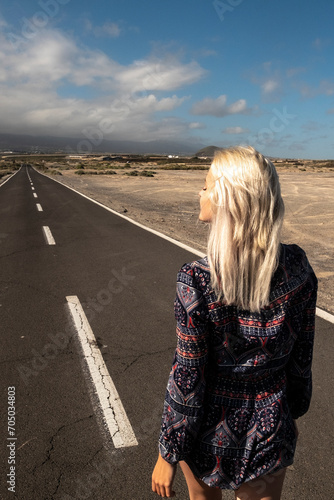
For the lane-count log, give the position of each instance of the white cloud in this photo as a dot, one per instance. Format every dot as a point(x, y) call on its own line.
point(269, 79)
point(52, 56)
point(169, 103)
point(270, 86)
point(34, 74)
point(158, 75)
point(325, 87)
point(205, 53)
point(291, 72)
point(235, 130)
point(321, 43)
point(317, 43)
point(108, 29)
point(196, 125)
point(297, 146)
point(37, 111)
point(312, 126)
point(3, 23)
point(219, 107)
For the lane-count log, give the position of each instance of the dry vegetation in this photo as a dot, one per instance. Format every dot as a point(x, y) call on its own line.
point(8, 167)
point(135, 165)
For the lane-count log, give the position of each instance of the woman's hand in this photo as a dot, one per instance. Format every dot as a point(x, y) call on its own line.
point(163, 477)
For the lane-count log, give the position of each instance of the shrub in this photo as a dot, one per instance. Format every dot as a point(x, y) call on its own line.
point(8, 172)
point(183, 167)
point(105, 172)
point(147, 173)
point(43, 168)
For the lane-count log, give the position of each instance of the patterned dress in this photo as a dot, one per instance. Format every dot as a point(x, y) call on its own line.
point(238, 379)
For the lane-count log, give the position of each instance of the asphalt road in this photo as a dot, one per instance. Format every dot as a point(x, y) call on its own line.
point(125, 278)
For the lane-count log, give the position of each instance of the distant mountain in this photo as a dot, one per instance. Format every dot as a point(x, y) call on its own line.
point(50, 144)
point(207, 152)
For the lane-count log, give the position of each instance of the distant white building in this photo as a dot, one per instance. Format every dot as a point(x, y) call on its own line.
point(76, 157)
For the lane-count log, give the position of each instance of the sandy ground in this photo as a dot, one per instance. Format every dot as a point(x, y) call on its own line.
point(168, 202)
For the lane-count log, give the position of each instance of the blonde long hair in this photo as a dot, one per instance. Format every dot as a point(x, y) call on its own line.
point(247, 216)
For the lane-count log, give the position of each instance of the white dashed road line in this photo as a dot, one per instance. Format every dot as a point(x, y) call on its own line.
point(48, 235)
point(35, 195)
point(112, 408)
point(39, 207)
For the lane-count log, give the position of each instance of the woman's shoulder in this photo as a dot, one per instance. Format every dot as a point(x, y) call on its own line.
point(292, 250)
point(294, 264)
point(195, 273)
point(295, 257)
point(196, 267)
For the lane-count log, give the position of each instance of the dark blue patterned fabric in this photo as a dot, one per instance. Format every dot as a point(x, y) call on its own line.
point(238, 379)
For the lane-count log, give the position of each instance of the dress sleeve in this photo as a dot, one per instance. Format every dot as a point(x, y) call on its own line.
point(183, 406)
point(299, 373)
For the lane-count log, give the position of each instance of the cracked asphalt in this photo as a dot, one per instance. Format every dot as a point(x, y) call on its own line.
point(125, 278)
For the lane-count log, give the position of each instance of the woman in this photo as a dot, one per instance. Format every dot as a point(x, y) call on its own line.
point(245, 315)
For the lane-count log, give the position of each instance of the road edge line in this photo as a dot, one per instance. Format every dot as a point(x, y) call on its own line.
point(4, 182)
point(113, 412)
point(324, 315)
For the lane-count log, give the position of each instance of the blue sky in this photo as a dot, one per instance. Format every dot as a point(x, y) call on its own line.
point(226, 72)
